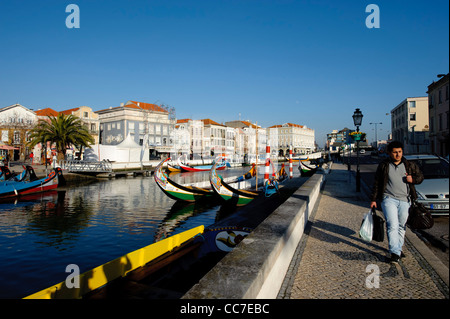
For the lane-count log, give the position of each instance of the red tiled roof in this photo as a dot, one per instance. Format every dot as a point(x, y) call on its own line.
point(183, 120)
point(210, 122)
point(46, 112)
point(69, 111)
point(145, 106)
point(288, 124)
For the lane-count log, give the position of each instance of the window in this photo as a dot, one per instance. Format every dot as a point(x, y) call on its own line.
point(16, 137)
point(412, 116)
point(86, 114)
point(412, 104)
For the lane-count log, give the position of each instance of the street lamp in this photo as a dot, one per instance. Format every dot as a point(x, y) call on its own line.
point(357, 120)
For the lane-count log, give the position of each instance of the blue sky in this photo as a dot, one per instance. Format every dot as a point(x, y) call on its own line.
point(305, 62)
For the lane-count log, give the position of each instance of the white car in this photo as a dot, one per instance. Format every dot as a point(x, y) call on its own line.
point(433, 192)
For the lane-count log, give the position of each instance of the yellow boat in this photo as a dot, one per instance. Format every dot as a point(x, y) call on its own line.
point(120, 267)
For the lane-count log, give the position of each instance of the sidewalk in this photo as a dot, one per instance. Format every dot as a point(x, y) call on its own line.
point(332, 262)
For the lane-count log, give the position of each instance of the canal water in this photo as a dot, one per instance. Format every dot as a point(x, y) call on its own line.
point(89, 225)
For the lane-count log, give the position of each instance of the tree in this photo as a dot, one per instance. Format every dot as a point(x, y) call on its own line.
point(63, 131)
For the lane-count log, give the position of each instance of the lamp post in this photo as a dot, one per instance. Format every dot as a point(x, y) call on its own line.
point(357, 120)
point(376, 136)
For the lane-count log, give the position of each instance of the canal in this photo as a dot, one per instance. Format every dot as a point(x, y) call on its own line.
point(90, 224)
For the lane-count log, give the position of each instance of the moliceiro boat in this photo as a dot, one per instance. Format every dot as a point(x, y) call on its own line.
point(30, 184)
point(306, 170)
point(177, 191)
point(132, 266)
point(231, 195)
point(220, 166)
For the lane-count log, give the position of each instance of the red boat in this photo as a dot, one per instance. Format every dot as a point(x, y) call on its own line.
point(202, 168)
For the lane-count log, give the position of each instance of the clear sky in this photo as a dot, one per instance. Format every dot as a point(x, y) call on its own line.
point(305, 62)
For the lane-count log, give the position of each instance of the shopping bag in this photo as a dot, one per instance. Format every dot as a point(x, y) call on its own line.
point(366, 230)
point(378, 227)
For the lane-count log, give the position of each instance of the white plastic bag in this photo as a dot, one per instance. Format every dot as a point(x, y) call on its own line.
point(366, 230)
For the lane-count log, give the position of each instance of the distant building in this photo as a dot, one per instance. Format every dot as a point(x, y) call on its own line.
point(15, 123)
point(409, 124)
point(438, 109)
point(301, 138)
point(146, 123)
point(188, 139)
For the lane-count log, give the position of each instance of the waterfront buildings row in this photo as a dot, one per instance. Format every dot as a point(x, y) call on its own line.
point(154, 128)
point(420, 123)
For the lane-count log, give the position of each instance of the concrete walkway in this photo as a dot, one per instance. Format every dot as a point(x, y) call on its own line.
point(332, 262)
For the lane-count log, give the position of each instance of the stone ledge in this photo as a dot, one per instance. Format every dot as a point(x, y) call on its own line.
point(257, 266)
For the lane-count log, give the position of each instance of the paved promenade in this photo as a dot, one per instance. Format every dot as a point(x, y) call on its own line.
point(332, 262)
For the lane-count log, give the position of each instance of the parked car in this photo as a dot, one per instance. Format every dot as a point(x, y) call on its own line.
point(433, 192)
point(363, 151)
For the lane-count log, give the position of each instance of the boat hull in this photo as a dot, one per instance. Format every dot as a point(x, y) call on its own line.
point(10, 189)
point(228, 193)
point(176, 191)
point(116, 268)
point(202, 168)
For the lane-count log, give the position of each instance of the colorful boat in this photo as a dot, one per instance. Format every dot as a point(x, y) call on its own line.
point(177, 191)
point(13, 188)
point(171, 167)
point(306, 170)
point(231, 195)
point(271, 185)
point(131, 266)
point(6, 174)
point(221, 166)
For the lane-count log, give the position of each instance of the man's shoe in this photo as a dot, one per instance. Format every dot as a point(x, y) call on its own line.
point(395, 258)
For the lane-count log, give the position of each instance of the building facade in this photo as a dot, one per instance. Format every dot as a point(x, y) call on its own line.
point(146, 123)
point(15, 123)
point(438, 109)
point(302, 138)
point(410, 125)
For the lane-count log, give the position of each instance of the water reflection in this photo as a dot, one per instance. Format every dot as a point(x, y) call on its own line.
point(89, 225)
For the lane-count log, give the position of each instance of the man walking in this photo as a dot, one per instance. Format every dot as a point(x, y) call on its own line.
point(394, 187)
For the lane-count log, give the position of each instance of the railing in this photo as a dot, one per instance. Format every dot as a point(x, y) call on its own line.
point(78, 166)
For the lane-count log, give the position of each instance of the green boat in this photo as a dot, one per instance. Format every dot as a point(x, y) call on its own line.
point(238, 197)
point(177, 191)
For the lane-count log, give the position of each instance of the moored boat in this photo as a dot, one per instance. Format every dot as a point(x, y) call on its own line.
point(306, 170)
point(12, 188)
point(26, 174)
point(201, 168)
point(172, 167)
point(231, 195)
point(177, 191)
point(133, 266)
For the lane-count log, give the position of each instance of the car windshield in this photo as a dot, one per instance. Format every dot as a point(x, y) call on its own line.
point(433, 168)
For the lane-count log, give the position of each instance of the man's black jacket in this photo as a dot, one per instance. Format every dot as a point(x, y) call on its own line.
point(382, 177)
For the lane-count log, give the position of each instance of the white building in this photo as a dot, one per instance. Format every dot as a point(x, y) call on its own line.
point(410, 125)
point(148, 124)
point(301, 138)
point(15, 123)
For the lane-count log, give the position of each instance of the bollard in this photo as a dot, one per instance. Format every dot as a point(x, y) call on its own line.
point(291, 172)
point(266, 169)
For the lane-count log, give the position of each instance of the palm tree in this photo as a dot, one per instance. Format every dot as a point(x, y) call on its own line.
point(62, 130)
